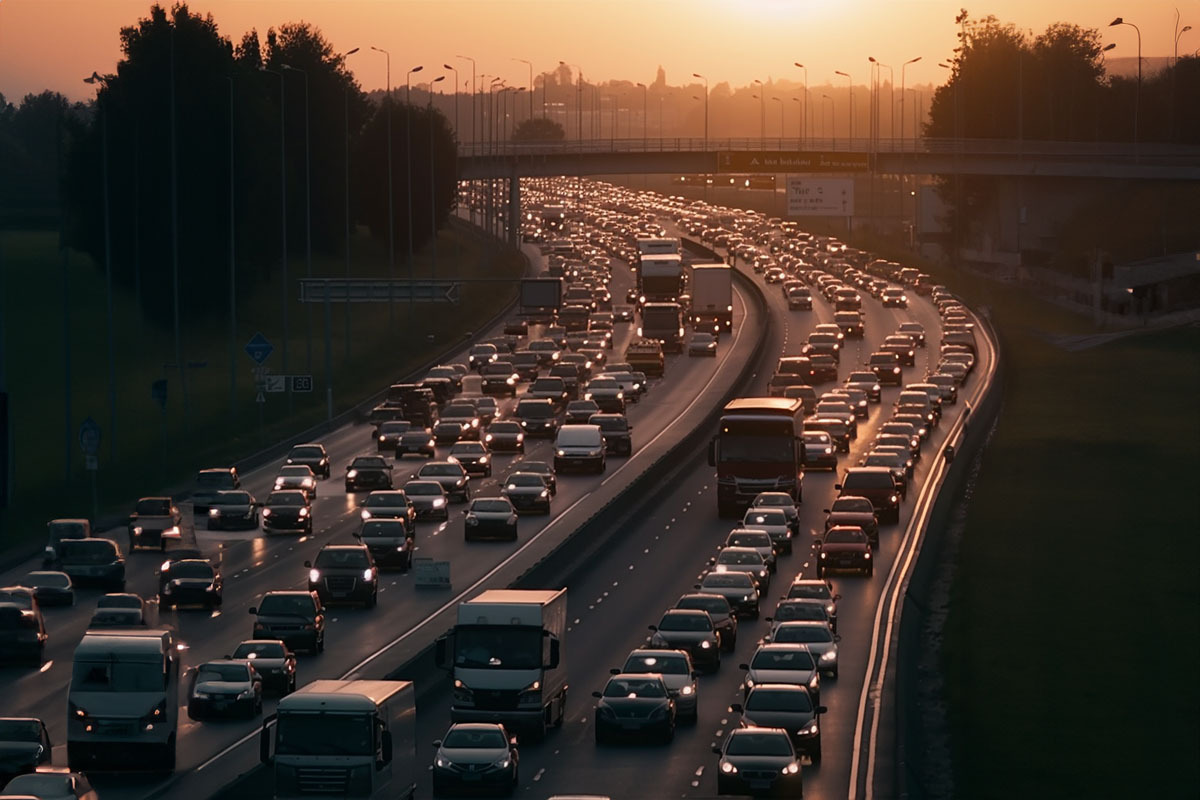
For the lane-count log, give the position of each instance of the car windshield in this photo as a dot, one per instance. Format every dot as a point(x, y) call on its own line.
point(368, 462)
point(765, 517)
point(440, 469)
point(415, 436)
point(504, 428)
point(232, 673)
point(475, 739)
point(603, 383)
point(845, 537)
point(394, 427)
point(725, 580)
point(111, 675)
point(662, 664)
point(790, 611)
point(714, 604)
point(749, 539)
point(868, 480)
point(818, 439)
point(803, 634)
point(385, 500)
point(259, 650)
point(297, 471)
point(525, 480)
point(535, 410)
point(778, 700)
point(86, 551)
point(349, 557)
point(853, 504)
point(191, 569)
point(490, 506)
point(286, 604)
point(48, 580)
point(418, 488)
point(232, 499)
point(306, 452)
point(20, 730)
point(632, 687)
point(782, 659)
point(386, 528)
point(325, 734)
point(768, 500)
point(737, 558)
point(508, 648)
point(758, 744)
point(685, 622)
point(819, 591)
point(153, 508)
point(286, 499)
point(611, 424)
point(210, 480)
point(468, 449)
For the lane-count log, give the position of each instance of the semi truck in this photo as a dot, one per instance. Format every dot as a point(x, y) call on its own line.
point(759, 447)
point(554, 219)
point(664, 322)
point(660, 278)
point(507, 660)
point(541, 299)
point(648, 246)
point(352, 738)
point(712, 298)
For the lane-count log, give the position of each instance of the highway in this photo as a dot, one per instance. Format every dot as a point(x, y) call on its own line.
point(660, 556)
point(359, 641)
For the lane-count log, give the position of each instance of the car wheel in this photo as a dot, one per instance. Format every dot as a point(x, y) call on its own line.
point(321, 643)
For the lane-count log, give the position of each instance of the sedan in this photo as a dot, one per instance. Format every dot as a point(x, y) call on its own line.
point(821, 641)
point(788, 707)
point(369, 472)
point(775, 522)
point(504, 437)
point(845, 547)
point(448, 432)
point(808, 589)
point(607, 394)
point(287, 510)
point(450, 475)
point(191, 581)
point(428, 499)
point(580, 411)
point(388, 435)
point(758, 761)
point(273, 661)
point(545, 470)
point(690, 630)
point(225, 688)
point(782, 501)
point(744, 559)
point(856, 511)
point(738, 588)
point(475, 755)
point(51, 783)
point(634, 704)
point(416, 441)
point(473, 456)
point(297, 476)
point(719, 611)
point(783, 663)
point(311, 455)
point(756, 539)
point(233, 509)
point(820, 451)
point(490, 518)
point(675, 667)
point(702, 344)
point(389, 504)
point(527, 492)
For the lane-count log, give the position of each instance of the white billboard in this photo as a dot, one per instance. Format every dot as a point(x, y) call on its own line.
point(820, 197)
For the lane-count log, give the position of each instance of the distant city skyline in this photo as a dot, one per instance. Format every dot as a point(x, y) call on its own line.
point(53, 44)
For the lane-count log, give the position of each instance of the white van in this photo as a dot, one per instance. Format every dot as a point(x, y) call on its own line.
point(579, 447)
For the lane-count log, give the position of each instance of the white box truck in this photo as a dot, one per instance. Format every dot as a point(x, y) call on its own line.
point(507, 660)
point(712, 298)
point(354, 738)
point(649, 246)
point(660, 278)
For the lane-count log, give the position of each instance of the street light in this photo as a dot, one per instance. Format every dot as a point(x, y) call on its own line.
point(530, 65)
point(902, 68)
point(803, 105)
point(391, 198)
point(851, 82)
point(307, 214)
point(781, 107)
point(800, 120)
point(578, 96)
point(455, 71)
point(283, 210)
point(762, 111)
point(891, 100)
point(346, 193)
point(468, 58)
point(832, 119)
point(645, 95)
point(701, 77)
point(1137, 98)
point(432, 183)
point(408, 175)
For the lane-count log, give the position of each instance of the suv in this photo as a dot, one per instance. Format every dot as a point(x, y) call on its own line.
point(344, 573)
point(886, 367)
point(390, 542)
point(877, 485)
point(646, 355)
point(616, 430)
point(295, 618)
point(499, 377)
point(370, 472)
point(96, 561)
point(60, 530)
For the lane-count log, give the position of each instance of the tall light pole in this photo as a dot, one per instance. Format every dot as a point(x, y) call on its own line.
point(391, 198)
point(530, 65)
point(346, 193)
point(1137, 100)
point(283, 211)
point(102, 107)
point(832, 118)
point(408, 163)
point(232, 271)
point(468, 58)
point(457, 135)
point(781, 107)
point(762, 111)
point(578, 96)
point(851, 82)
point(902, 68)
point(307, 214)
point(701, 77)
point(804, 104)
point(1174, 61)
point(800, 120)
point(645, 95)
point(891, 99)
point(432, 182)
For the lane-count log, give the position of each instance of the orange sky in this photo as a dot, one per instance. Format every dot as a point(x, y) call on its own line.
point(54, 43)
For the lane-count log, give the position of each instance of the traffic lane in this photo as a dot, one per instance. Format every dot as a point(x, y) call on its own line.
point(353, 633)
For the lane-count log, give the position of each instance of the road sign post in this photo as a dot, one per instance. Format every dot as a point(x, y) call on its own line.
point(820, 197)
point(430, 574)
point(89, 443)
point(259, 348)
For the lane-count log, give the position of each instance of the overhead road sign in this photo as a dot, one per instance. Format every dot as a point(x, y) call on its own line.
point(258, 348)
point(356, 290)
point(820, 197)
point(791, 161)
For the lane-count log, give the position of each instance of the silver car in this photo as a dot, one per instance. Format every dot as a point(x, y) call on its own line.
point(747, 560)
point(783, 663)
point(756, 538)
point(738, 588)
point(297, 476)
point(774, 521)
point(817, 635)
point(675, 666)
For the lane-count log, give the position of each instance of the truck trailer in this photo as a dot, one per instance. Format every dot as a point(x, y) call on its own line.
point(712, 298)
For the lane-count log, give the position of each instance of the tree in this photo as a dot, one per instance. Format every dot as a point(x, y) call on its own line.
point(539, 129)
point(30, 157)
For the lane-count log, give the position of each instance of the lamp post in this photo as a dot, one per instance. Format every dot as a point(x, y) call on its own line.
point(1174, 61)
point(391, 198)
point(468, 58)
point(578, 97)
point(408, 164)
point(232, 271)
point(781, 107)
point(645, 97)
point(102, 106)
point(455, 71)
point(432, 183)
point(902, 68)
point(762, 111)
point(800, 120)
point(803, 105)
point(530, 65)
point(832, 119)
point(701, 77)
point(283, 211)
point(1137, 99)
point(851, 82)
point(346, 193)
point(307, 214)
point(891, 99)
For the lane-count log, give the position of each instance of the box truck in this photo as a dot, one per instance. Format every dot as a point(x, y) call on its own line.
point(507, 660)
point(712, 298)
point(660, 278)
point(540, 299)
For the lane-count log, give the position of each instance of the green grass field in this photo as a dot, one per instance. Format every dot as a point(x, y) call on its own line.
point(154, 449)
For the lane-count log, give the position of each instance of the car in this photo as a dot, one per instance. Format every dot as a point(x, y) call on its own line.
point(783, 663)
point(481, 354)
point(273, 661)
point(702, 344)
point(856, 511)
point(499, 377)
point(623, 314)
point(631, 383)
point(799, 608)
point(229, 510)
point(868, 382)
point(955, 369)
point(51, 783)
point(851, 323)
point(547, 351)
point(823, 343)
point(490, 518)
point(819, 637)
point(537, 417)
point(838, 408)
point(211, 481)
point(225, 688)
point(388, 434)
point(634, 704)
point(820, 451)
point(824, 368)
point(675, 668)
point(757, 539)
point(837, 429)
point(95, 562)
point(297, 618)
point(473, 456)
point(312, 455)
point(877, 485)
point(390, 542)
point(527, 491)
point(799, 298)
point(886, 367)
point(894, 297)
point(775, 522)
point(845, 547)
point(738, 588)
point(467, 417)
point(902, 345)
point(785, 706)
point(389, 504)
point(758, 761)
point(504, 436)
point(26, 746)
point(488, 410)
point(607, 393)
point(818, 590)
point(580, 411)
point(189, 581)
point(914, 329)
point(616, 430)
point(690, 630)
point(553, 389)
point(910, 426)
point(428, 500)
point(719, 611)
point(947, 385)
point(297, 476)
point(743, 559)
point(782, 501)
point(288, 510)
point(543, 469)
point(525, 364)
point(60, 529)
point(569, 375)
point(344, 573)
point(856, 397)
point(898, 459)
point(369, 472)
point(451, 475)
point(476, 756)
point(416, 441)
point(23, 636)
point(448, 432)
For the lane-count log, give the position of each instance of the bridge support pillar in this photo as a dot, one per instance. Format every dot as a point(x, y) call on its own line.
point(514, 209)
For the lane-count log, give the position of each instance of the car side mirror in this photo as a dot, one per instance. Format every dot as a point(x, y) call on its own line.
point(253, 610)
point(437, 742)
point(385, 744)
point(652, 627)
point(597, 694)
point(768, 619)
point(744, 666)
point(716, 749)
point(822, 710)
point(614, 671)
point(826, 511)
point(736, 708)
point(837, 597)
point(308, 564)
point(837, 487)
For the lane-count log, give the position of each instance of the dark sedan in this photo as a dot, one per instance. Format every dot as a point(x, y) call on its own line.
point(527, 492)
point(490, 518)
point(856, 511)
point(344, 573)
point(691, 630)
point(845, 547)
point(225, 689)
point(192, 581)
point(418, 442)
point(504, 437)
point(634, 703)
point(474, 458)
point(273, 661)
point(428, 499)
point(781, 705)
point(368, 472)
point(312, 455)
point(232, 510)
point(288, 510)
point(758, 761)
point(451, 475)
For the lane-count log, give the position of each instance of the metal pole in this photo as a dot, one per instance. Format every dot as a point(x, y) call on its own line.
point(108, 291)
point(804, 105)
point(408, 165)
point(307, 219)
point(346, 197)
point(698, 75)
point(174, 264)
point(232, 270)
point(391, 198)
point(432, 184)
point(283, 214)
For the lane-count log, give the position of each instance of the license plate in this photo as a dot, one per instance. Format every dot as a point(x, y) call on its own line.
point(471, 776)
point(631, 726)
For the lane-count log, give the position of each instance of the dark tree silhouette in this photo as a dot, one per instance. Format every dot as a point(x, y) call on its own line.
point(539, 129)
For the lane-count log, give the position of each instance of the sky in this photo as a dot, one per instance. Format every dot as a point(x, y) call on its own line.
point(53, 44)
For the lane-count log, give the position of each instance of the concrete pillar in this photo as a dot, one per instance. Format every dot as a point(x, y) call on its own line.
point(514, 209)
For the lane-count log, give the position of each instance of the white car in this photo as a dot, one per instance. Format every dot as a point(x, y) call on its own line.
point(297, 476)
point(756, 538)
point(677, 672)
point(772, 520)
point(819, 637)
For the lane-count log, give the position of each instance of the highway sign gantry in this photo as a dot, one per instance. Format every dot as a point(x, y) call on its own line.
point(791, 161)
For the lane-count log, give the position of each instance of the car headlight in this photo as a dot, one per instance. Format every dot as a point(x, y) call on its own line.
point(896, 370)
point(791, 769)
point(214, 512)
point(895, 498)
point(502, 763)
point(443, 762)
point(246, 694)
point(278, 482)
point(746, 598)
point(728, 768)
point(867, 554)
point(544, 493)
point(829, 609)
point(303, 512)
point(369, 574)
point(438, 502)
point(266, 512)
point(829, 656)
point(308, 483)
point(828, 451)
point(366, 514)
point(137, 530)
point(814, 681)
point(560, 453)
point(472, 521)
point(487, 438)
point(687, 691)
point(749, 683)
point(352, 473)
point(314, 575)
point(483, 459)
point(705, 645)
